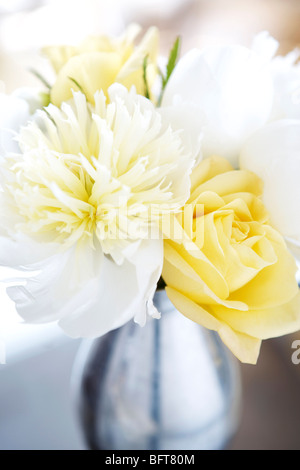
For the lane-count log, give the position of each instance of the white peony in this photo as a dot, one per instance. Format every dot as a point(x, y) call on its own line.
point(81, 201)
point(230, 88)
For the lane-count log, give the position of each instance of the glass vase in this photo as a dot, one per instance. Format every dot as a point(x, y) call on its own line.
point(171, 385)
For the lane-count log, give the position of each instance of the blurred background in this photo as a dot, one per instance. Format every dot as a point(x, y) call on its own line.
point(36, 411)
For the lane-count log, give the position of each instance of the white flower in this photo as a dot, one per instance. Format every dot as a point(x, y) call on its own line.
point(80, 201)
point(231, 89)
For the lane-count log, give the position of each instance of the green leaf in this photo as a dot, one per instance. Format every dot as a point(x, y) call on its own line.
point(172, 61)
point(173, 57)
point(145, 64)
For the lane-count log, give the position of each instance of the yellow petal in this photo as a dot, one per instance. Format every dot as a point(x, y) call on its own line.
point(224, 256)
point(231, 182)
point(246, 348)
point(180, 275)
point(233, 255)
point(59, 55)
point(254, 204)
point(264, 324)
point(147, 48)
point(92, 71)
point(274, 285)
point(208, 273)
point(209, 200)
point(207, 169)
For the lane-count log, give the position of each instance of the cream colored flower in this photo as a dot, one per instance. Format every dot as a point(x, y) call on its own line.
point(101, 61)
point(227, 268)
point(79, 202)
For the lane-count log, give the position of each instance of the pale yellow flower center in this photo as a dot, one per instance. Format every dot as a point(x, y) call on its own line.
point(108, 171)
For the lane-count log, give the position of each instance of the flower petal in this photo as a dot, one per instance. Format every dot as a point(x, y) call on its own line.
point(51, 292)
point(87, 292)
point(274, 285)
point(273, 153)
point(21, 252)
point(233, 87)
point(246, 348)
point(14, 112)
point(182, 276)
point(147, 48)
point(286, 77)
point(264, 323)
point(119, 294)
point(186, 119)
point(87, 70)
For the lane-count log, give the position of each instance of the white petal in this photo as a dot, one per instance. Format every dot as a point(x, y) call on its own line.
point(87, 292)
point(286, 76)
point(31, 96)
point(233, 87)
point(14, 112)
point(23, 252)
point(273, 153)
point(148, 46)
point(148, 261)
point(55, 286)
point(119, 294)
point(265, 45)
point(189, 121)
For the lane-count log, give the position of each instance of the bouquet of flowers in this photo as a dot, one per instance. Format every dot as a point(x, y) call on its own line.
point(133, 171)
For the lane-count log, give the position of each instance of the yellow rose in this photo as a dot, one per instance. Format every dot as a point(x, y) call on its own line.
point(225, 266)
point(101, 61)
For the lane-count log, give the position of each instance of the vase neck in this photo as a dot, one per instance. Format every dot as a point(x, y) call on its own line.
point(162, 301)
